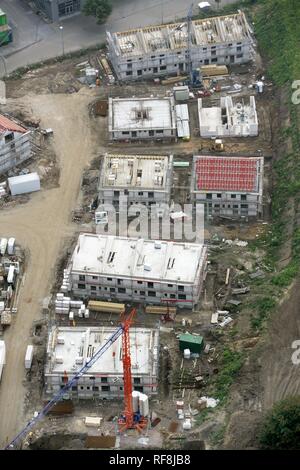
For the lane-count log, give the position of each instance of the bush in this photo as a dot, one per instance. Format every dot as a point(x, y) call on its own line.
point(281, 428)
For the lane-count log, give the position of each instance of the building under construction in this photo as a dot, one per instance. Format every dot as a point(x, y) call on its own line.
point(232, 118)
point(145, 179)
point(15, 146)
point(69, 348)
point(148, 271)
point(228, 186)
point(151, 118)
point(163, 50)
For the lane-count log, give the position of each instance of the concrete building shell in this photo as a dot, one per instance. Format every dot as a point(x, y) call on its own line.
point(162, 50)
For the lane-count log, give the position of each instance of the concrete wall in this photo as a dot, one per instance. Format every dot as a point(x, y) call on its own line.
point(146, 291)
point(169, 134)
point(89, 386)
point(109, 196)
point(15, 151)
point(225, 205)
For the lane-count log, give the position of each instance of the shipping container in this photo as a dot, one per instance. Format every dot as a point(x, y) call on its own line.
point(194, 343)
point(11, 274)
point(28, 356)
point(11, 246)
point(2, 356)
point(24, 184)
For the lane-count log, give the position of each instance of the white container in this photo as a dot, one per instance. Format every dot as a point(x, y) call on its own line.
point(2, 306)
point(28, 356)
point(87, 313)
point(187, 354)
point(76, 303)
point(59, 296)
point(135, 401)
point(71, 316)
point(3, 245)
point(2, 356)
point(187, 424)
point(11, 274)
point(64, 311)
point(11, 246)
point(144, 404)
point(92, 422)
point(24, 184)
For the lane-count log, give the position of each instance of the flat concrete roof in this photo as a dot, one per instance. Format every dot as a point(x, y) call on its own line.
point(137, 258)
point(69, 343)
point(136, 114)
point(168, 37)
point(134, 171)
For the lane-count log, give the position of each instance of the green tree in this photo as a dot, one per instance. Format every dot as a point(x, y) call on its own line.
point(98, 8)
point(281, 428)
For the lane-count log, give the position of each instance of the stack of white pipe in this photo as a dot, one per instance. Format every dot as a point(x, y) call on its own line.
point(140, 402)
point(62, 304)
point(2, 189)
point(66, 286)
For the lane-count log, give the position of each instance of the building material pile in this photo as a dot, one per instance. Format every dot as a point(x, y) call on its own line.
point(63, 305)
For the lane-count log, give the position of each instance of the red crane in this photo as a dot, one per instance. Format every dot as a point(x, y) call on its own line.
point(129, 419)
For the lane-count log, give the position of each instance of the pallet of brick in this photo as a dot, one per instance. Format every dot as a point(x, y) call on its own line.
point(160, 310)
point(106, 307)
point(5, 318)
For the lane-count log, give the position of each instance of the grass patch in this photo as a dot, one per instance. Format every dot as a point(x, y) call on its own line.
point(230, 365)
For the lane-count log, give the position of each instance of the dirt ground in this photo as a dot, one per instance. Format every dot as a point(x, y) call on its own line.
point(41, 226)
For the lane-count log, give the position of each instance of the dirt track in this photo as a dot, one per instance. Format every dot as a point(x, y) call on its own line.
point(41, 227)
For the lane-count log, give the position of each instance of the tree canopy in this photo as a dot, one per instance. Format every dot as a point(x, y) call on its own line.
point(281, 428)
point(98, 8)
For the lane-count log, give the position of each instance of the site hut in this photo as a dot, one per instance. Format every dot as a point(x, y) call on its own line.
point(60, 9)
point(69, 348)
point(15, 147)
point(137, 270)
point(162, 50)
point(230, 119)
point(145, 179)
point(228, 186)
point(142, 119)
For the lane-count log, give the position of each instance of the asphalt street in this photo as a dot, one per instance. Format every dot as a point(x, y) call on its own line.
point(36, 40)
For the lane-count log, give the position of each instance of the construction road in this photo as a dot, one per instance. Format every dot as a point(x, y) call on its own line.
point(40, 227)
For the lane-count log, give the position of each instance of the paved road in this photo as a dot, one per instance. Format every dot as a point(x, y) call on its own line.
point(35, 40)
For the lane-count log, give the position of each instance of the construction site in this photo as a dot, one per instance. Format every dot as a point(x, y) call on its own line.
point(127, 335)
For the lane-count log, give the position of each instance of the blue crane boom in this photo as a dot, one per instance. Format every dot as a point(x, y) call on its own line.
point(69, 384)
